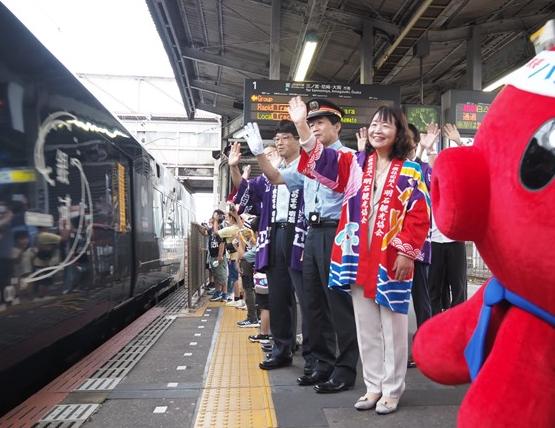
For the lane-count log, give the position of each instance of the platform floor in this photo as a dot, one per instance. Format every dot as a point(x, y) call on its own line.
point(201, 371)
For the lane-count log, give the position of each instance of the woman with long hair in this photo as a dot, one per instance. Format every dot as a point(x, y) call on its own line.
point(384, 222)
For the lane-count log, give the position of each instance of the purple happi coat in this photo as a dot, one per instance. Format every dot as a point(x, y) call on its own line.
point(427, 176)
point(258, 195)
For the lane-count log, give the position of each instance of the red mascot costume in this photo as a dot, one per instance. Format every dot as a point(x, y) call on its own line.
point(500, 193)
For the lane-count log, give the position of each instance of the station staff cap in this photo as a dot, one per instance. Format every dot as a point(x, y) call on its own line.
point(321, 107)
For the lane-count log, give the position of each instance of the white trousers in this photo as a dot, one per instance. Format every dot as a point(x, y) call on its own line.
point(383, 345)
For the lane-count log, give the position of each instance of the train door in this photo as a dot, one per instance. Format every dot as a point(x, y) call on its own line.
point(103, 272)
point(122, 271)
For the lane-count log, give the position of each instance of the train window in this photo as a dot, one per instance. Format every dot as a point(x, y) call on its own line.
point(158, 213)
point(158, 172)
point(179, 220)
point(169, 210)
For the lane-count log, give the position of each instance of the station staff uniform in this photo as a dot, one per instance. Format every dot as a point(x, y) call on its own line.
point(331, 323)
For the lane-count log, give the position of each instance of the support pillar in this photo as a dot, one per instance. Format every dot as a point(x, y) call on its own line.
point(367, 54)
point(474, 60)
point(275, 45)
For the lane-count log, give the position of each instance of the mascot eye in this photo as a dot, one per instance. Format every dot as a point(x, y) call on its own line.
point(538, 164)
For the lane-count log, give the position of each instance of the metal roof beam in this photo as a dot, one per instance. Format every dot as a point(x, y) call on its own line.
point(222, 111)
point(512, 25)
point(334, 16)
point(446, 13)
point(238, 65)
point(414, 19)
point(224, 91)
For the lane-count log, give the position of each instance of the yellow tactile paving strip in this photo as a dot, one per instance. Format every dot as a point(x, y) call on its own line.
point(236, 393)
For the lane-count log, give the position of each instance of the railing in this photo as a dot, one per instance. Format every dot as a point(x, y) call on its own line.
point(195, 261)
point(476, 268)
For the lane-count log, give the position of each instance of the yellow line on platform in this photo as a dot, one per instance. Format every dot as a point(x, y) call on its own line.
point(236, 393)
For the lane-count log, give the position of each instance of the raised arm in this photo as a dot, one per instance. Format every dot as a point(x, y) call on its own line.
point(428, 142)
point(269, 170)
point(298, 114)
point(256, 146)
point(450, 131)
point(316, 161)
point(330, 167)
point(233, 161)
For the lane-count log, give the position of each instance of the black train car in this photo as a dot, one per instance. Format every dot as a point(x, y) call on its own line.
point(92, 229)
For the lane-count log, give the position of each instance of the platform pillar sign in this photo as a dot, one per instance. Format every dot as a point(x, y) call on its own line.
point(266, 101)
point(466, 110)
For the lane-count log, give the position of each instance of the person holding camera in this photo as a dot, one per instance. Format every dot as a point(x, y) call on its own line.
point(229, 234)
point(216, 256)
point(331, 323)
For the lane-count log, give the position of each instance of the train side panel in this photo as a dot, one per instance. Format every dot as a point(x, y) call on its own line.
point(88, 222)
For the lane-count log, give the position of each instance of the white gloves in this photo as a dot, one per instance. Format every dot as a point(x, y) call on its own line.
point(254, 140)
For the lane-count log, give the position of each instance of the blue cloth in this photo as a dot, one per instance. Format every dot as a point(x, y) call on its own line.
point(250, 255)
point(232, 276)
point(495, 293)
point(317, 198)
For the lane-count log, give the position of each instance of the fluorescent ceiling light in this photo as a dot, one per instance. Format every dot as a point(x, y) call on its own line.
point(306, 58)
point(500, 82)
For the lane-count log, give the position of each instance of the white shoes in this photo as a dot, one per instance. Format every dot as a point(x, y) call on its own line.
point(368, 401)
point(386, 405)
point(235, 303)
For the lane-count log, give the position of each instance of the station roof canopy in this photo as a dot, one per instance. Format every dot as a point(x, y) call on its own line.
point(214, 45)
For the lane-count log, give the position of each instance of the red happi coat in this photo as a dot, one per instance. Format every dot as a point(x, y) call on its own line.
point(401, 225)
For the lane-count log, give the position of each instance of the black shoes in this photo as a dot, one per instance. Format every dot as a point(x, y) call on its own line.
point(312, 379)
point(308, 370)
point(275, 363)
point(332, 386)
point(267, 347)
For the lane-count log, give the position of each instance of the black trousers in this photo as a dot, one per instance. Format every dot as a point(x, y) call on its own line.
point(283, 284)
point(420, 294)
point(447, 275)
point(331, 320)
point(247, 273)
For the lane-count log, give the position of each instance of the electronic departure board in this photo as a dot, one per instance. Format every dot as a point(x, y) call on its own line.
point(466, 109)
point(266, 101)
point(469, 116)
point(421, 115)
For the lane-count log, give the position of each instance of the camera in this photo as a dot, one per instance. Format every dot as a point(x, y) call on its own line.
point(314, 218)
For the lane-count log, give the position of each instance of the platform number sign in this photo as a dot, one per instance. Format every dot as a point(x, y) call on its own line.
point(266, 101)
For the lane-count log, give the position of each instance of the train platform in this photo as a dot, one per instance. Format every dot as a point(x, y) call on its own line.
point(179, 367)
